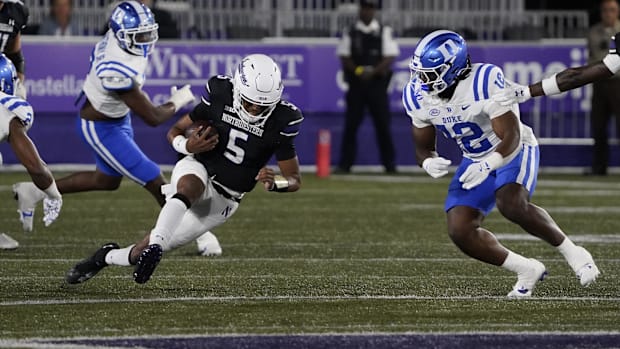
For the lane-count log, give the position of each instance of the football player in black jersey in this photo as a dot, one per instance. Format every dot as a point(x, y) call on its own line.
point(248, 124)
point(13, 19)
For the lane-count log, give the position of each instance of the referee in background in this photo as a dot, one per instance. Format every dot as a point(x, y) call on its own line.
point(367, 50)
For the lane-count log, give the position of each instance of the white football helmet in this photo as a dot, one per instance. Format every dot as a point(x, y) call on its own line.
point(257, 80)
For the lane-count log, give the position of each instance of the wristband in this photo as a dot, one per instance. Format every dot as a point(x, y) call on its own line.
point(52, 191)
point(612, 62)
point(179, 143)
point(280, 184)
point(495, 160)
point(550, 86)
point(359, 70)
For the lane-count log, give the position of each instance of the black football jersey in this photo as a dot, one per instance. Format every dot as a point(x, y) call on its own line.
point(243, 149)
point(13, 18)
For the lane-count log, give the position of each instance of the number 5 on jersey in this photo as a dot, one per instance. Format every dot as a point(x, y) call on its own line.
point(233, 151)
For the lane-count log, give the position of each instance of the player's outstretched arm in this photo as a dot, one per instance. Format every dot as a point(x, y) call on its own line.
point(27, 153)
point(141, 105)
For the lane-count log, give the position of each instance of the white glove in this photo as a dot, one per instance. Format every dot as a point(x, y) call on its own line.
point(513, 93)
point(436, 166)
point(51, 210)
point(181, 97)
point(20, 89)
point(477, 172)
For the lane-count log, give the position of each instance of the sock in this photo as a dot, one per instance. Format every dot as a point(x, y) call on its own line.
point(119, 256)
point(571, 252)
point(516, 262)
point(169, 218)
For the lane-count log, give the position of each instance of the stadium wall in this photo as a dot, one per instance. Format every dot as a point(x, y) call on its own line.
point(313, 80)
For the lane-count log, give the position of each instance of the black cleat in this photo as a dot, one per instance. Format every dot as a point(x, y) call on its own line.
point(147, 262)
point(90, 266)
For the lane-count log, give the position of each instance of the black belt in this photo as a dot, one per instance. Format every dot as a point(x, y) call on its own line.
point(223, 192)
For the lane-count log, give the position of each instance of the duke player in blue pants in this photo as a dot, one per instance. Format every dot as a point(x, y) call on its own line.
point(500, 158)
point(113, 91)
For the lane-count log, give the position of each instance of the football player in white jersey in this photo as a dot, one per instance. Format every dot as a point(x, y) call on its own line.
point(500, 158)
point(16, 118)
point(113, 90)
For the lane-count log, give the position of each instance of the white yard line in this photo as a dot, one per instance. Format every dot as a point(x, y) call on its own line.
point(296, 299)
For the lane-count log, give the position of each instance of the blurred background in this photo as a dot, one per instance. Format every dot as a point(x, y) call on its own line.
point(528, 39)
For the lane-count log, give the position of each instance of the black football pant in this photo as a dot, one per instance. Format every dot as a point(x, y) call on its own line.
point(374, 96)
point(605, 103)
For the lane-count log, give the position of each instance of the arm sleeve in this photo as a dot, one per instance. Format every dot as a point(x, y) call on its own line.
point(286, 145)
point(115, 76)
point(390, 46)
point(344, 45)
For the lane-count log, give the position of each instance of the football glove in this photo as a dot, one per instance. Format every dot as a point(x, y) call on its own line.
point(181, 97)
point(511, 94)
point(436, 166)
point(51, 210)
point(477, 172)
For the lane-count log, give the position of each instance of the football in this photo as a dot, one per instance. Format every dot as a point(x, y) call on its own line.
point(202, 125)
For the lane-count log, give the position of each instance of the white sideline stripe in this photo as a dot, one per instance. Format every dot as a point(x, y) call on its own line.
point(556, 209)
point(297, 298)
point(28, 344)
point(604, 238)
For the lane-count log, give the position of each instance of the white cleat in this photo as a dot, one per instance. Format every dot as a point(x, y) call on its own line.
point(51, 210)
point(7, 242)
point(528, 279)
point(208, 245)
point(27, 196)
point(584, 267)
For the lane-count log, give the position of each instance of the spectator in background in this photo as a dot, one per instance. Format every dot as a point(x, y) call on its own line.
point(605, 99)
point(58, 23)
point(167, 26)
point(367, 51)
point(13, 19)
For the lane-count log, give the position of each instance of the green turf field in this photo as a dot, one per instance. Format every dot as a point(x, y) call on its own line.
point(348, 254)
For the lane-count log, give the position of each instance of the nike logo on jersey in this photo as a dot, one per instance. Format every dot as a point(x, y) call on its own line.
point(464, 107)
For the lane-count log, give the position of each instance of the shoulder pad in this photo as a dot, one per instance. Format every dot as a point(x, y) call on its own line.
point(291, 118)
point(220, 88)
point(18, 12)
point(18, 106)
point(488, 78)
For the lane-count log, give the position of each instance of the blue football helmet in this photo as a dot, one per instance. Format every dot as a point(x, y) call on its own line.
point(135, 28)
point(8, 75)
point(438, 60)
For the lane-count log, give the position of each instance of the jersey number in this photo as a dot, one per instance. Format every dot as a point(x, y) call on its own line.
point(472, 143)
point(233, 151)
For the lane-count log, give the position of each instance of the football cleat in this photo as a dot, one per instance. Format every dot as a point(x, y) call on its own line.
point(7, 242)
point(89, 267)
point(208, 245)
point(51, 210)
point(584, 267)
point(528, 279)
point(147, 262)
point(27, 196)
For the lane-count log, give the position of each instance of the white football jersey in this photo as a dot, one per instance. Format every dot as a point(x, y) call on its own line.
point(467, 116)
point(10, 108)
point(112, 69)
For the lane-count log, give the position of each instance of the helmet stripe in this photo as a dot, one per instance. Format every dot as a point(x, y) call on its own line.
point(425, 40)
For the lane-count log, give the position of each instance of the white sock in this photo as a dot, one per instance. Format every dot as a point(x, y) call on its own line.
point(571, 252)
point(516, 262)
point(119, 256)
point(169, 218)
